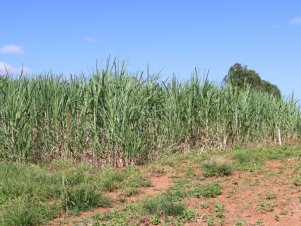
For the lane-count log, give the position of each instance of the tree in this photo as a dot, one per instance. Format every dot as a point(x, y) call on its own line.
point(241, 76)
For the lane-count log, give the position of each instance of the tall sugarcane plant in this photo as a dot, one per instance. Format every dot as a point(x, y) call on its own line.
point(121, 118)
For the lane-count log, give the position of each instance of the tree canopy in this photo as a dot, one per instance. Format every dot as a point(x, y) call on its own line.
point(241, 76)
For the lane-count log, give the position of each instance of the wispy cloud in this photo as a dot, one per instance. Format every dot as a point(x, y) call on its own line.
point(14, 49)
point(90, 39)
point(9, 69)
point(295, 21)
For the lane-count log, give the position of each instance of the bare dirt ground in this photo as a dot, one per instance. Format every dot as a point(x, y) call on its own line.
point(270, 196)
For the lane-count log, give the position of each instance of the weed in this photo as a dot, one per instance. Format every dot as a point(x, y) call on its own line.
point(155, 220)
point(240, 223)
point(131, 191)
point(189, 214)
point(27, 211)
point(209, 190)
point(219, 209)
point(217, 166)
point(297, 180)
point(164, 205)
point(247, 160)
point(190, 173)
point(204, 205)
point(84, 197)
point(210, 221)
point(157, 169)
point(270, 196)
point(111, 179)
point(259, 223)
point(267, 206)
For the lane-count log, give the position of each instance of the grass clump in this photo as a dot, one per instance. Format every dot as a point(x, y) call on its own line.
point(209, 190)
point(216, 166)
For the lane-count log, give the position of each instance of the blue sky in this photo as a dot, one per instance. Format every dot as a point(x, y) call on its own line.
point(171, 36)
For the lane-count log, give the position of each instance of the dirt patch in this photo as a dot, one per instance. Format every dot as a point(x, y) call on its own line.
point(268, 197)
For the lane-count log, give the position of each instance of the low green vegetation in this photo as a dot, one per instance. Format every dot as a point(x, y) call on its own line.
point(253, 159)
point(32, 195)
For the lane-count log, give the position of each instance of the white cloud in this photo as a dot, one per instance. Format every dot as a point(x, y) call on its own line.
point(90, 39)
point(295, 21)
point(9, 69)
point(16, 49)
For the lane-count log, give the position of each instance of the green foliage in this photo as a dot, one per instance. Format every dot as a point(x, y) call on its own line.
point(241, 76)
point(209, 190)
